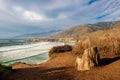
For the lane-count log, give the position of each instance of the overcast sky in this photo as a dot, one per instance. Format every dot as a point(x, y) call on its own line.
point(33, 16)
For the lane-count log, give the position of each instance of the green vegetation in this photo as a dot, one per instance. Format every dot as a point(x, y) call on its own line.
point(54, 55)
point(3, 67)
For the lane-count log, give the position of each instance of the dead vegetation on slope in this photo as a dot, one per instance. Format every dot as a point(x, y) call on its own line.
point(107, 41)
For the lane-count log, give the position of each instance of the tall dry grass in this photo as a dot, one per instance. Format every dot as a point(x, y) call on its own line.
point(107, 41)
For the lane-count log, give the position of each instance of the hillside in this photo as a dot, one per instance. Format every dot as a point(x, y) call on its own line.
point(80, 30)
point(109, 31)
point(107, 41)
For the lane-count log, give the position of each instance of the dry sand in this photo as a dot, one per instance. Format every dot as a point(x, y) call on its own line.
point(62, 68)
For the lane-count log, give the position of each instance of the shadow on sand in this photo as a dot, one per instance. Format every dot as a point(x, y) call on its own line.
point(43, 73)
point(106, 61)
point(38, 73)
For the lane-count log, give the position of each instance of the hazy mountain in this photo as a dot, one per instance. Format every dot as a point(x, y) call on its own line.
point(113, 30)
point(103, 24)
point(75, 31)
point(36, 35)
point(80, 30)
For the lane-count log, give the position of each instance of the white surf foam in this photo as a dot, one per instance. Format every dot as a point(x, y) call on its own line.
point(22, 51)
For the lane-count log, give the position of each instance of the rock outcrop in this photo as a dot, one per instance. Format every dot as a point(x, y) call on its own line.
point(60, 49)
point(88, 60)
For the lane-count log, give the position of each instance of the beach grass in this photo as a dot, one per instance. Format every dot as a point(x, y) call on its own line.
point(4, 67)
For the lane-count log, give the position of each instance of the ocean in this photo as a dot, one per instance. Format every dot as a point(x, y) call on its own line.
point(12, 51)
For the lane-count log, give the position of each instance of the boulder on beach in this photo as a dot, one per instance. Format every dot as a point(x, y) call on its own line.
point(88, 60)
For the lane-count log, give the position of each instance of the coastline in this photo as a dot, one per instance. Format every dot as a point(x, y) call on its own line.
point(30, 58)
point(24, 54)
point(22, 59)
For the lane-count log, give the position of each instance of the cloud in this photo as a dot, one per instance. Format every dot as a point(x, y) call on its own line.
point(57, 4)
point(27, 16)
point(111, 11)
point(1, 5)
point(33, 16)
point(30, 15)
point(112, 17)
point(101, 16)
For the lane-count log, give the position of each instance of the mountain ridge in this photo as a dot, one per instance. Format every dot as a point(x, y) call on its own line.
point(80, 30)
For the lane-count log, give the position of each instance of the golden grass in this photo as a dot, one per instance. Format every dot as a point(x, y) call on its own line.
point(107, 41)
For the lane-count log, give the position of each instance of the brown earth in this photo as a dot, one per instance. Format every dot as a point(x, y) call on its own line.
point(62, 68)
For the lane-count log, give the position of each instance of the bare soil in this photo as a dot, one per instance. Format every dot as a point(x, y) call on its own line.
point(62, 68)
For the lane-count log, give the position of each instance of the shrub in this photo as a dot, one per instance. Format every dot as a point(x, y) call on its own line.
point(53, 56)
point(60, 49)
point(3, 67)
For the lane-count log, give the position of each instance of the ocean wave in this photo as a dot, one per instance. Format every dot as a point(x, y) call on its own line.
point(24, 57)
point(24, 51)
point(19, 47)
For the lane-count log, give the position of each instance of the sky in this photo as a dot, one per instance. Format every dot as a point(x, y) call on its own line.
point(19, 17)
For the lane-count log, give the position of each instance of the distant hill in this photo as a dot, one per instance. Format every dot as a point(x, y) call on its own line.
point(103, 24)
point(80, 30)
point(36, 35)
point(75, 31)
point(113, 30)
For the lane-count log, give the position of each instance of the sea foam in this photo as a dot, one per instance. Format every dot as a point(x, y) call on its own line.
point(12, 53)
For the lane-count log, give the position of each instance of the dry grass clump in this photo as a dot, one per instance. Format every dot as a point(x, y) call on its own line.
point(107, 42)
point(106, 45)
